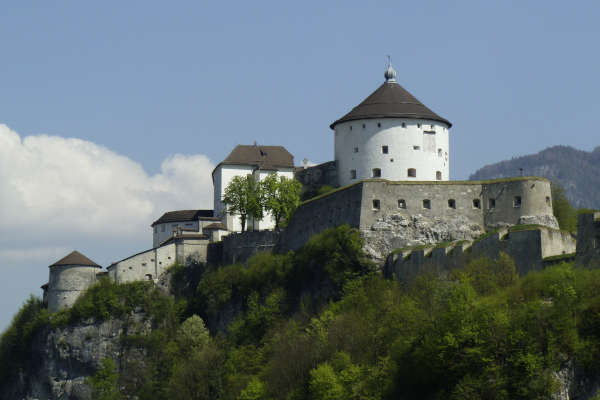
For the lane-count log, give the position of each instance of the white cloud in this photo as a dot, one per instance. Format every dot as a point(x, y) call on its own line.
point(50, 185)
point(34, 254)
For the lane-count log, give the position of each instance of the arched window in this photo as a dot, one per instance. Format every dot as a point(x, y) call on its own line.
point(376, 173)
point(438, 175)
point(412, 173)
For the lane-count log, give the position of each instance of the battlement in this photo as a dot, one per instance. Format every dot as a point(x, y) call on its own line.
point(528, 245)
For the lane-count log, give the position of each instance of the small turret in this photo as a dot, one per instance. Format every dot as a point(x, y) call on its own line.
point(69, 277)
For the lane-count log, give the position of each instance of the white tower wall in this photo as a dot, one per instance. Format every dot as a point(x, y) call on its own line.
point(418, 144)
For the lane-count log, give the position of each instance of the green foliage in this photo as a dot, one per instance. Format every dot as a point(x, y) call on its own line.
point(281, 197)
point(319, 191)
point(244, 196)
point(565, 213)
point(15, 342)
point(104, 383)
point(487, 276)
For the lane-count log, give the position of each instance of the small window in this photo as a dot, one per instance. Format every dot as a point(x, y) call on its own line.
point(476, 203)
point(356, 149)
point(418, 125)
point(491, 203)
point(189, 224)
point(517, 202)
point(379, 124)
point(427, 204)
point(144, 264)
point(402, 203)
point(404, 124)
point(452, 203)
point(438, 175)
point(548, 202)
point(384, 149)
point(391, 160)
point(350, 127)
point(364, 126)
point(416, 147)
point(412, 173)
point(376, 173)
point(148, 277)
point(376, 204)
point(440, 153)
point(430, 126)
point(352, 174)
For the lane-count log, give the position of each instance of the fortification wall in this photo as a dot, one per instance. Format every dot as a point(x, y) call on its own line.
point(528, 248)
point(147, 265)
point(588, 240)
point(239, 247)
point(317, 175)
point(67, 282)
point(313, 216)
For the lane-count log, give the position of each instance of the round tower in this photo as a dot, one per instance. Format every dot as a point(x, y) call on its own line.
point(391, 135)
point(69, 277)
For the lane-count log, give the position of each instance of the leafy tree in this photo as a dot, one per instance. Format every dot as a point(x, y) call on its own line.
point(192, 334)
point(105, 382)
point(565, 213)
point(281, 196)
point(243, 196)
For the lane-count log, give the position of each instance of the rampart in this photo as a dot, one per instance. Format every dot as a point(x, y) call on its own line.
point(529, 246)
point(317, 176)
point(487, 204)
point(588, 240)
point(239, 247)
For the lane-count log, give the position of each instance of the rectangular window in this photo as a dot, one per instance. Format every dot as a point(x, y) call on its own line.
point(452, 203)
point(416, 147)
point(376, 173)
point(384, 149)
point(427, 204)
point(492, 203)
point(356, 149)
point(476, 203)
point(517, 202)
point(352, 174)
point(376, 204)
point(401, 203)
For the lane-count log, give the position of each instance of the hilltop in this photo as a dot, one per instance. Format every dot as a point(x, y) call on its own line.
point(577, 171)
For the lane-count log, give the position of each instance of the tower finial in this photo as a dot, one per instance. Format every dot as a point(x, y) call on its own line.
point(390, 72)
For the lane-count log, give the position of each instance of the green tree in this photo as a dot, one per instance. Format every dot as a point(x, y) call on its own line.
point(105, 382)
point(243, 196)
point(281, 196)
point(565, 213)
point(192, 334)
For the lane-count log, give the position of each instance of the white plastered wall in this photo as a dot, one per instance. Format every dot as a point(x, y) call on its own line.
point(149, 264)
point(409, 146)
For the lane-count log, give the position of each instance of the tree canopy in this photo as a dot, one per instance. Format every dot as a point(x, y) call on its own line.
point(243, 196)
point(281, 197)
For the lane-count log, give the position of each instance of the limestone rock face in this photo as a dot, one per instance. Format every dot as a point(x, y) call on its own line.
point(62, 358)
point(394, 231)
point(545, 220)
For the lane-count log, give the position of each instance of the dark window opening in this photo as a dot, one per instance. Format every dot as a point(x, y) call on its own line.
point(418, 125)
point(412, 173)
point(416, 147)
point(548, 200)
point(356, 149)
point(438, 175)
point(517, 202)
point(404, 124)
point(476, 203)
point(376, 173)
point(427, 204)
point(384, 149)
point(352, 174)
point(491, 203)
point(452, 203)
point(379, 124)
point(401, 203)
point(364, 126)
point(376, 204)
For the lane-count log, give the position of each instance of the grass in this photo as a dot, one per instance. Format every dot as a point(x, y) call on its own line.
point(560, 257)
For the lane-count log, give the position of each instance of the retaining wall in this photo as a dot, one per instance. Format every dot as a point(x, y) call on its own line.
point(588, 240)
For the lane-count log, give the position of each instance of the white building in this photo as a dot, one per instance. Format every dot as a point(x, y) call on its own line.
point(181, 222)
point(391, 135)
point(256, 160)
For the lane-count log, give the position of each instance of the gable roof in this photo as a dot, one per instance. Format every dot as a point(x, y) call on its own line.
point(390, 100)
point(75, 258)
point(185, 215)
point(263, 157)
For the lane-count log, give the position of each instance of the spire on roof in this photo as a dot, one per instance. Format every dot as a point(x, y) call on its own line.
point(390, 72)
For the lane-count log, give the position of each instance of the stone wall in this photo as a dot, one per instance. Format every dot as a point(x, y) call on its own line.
point(588, 240)
point(239, 247)
point(67, 282)
point(317, 176)
point(528, 248)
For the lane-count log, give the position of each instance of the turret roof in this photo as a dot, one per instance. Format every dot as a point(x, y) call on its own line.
point(75, 258)
point(390, 100)
point(186, 215)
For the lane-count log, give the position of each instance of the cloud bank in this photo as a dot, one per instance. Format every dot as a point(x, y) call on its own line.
point(63, 187)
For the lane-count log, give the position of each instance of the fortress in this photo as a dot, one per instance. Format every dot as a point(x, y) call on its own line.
point(391, 174)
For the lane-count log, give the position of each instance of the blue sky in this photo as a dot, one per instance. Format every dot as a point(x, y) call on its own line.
point(159, 92)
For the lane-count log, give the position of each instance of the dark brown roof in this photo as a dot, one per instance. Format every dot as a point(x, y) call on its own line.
point(390, 100)
point(185, 215)
point(264, 157)
point(75, 258)
point(216, 225)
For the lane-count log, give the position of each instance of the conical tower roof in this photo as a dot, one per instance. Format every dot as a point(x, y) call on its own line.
point(390, 100)
point(75, 258)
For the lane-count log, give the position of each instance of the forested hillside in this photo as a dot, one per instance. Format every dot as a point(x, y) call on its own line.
point(322, 324)
point(577, 171)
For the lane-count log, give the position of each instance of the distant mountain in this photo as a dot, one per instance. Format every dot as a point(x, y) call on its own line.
point(576, 170)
